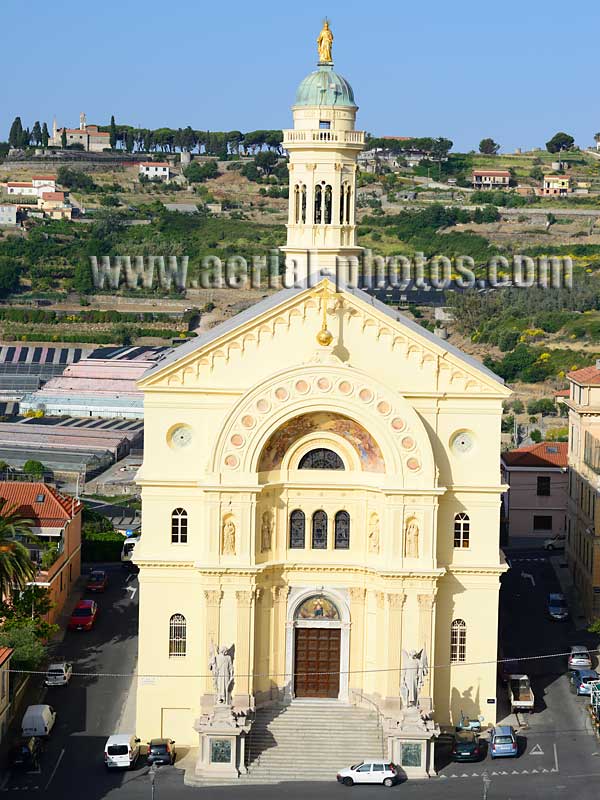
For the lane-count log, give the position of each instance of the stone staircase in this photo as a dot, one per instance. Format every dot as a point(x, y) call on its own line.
point(310, 740)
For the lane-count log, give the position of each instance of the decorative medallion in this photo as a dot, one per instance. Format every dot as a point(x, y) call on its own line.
point(248, 421)
point(408, 443)
point(462, 442)
point(324, 384)
point(413, 464)
point(398, 424)
point(345, 387)
point(263, 405)
point(180, 436)
point(281, 393)
point(302, 386)
point(383, 407)
point(237, 440)
point(366, 395)
point(231, 461)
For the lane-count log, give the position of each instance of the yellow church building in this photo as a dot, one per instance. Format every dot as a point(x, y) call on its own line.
point(320, 487)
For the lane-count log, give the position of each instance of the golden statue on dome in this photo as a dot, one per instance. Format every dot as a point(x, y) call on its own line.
point(324, 44)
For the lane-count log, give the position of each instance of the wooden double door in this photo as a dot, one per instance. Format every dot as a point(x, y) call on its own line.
point(317, 662)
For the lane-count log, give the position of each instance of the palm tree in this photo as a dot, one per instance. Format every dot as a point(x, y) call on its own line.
point(16, 566)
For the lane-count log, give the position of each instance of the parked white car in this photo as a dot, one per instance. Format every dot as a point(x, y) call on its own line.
point(59, 674)
point(579, 657)
point(382, 772)
point(121, 751)
point(554, 543)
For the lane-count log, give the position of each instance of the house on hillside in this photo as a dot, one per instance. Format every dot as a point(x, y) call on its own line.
point(33, 188)
point(57, 530)
point(536, 502)
point(154, 170)
point(8, 214)
point(490, 179)
point(555, 185)
point(55, 206)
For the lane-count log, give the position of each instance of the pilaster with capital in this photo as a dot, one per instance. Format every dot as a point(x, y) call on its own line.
point(212, 599)
point(426, 604)
point(244, 656)
point(279, 595)
point(357, 635)
point(394, 642)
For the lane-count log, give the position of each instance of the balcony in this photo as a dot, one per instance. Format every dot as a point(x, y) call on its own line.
point(325, 137)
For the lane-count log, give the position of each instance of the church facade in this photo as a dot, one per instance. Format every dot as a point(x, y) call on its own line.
point(320, 487)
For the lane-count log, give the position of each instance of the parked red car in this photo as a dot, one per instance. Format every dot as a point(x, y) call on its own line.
point(97, 581)
point(83, 616)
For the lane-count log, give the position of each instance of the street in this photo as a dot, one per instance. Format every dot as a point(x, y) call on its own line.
point(558, 753)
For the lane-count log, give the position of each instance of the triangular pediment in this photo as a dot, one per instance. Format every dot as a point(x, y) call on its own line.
point(282, 330)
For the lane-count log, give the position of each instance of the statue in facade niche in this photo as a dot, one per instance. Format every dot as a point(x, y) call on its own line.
point(221, 666)
point(324, 44)
point(411, 539)
point(265, 531)
point(374, 534)
point(228, 546)
point(414, 669)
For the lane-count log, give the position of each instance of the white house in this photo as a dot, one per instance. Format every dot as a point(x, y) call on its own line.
point(155, 170)
point(8, 214)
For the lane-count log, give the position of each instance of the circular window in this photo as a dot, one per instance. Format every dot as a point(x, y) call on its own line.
point(180, 436)
point(462, 442)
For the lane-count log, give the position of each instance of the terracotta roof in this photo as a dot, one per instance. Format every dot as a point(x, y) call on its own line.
point(501, 173)
point(53, 195)
point(154, 164)
point(24, 496)
point(588, 376)
point(562, 393)
point(87, 131)
point(556, 178)
point(544, 454)
point(43, 177)
point(29, 184)
point(5, 653)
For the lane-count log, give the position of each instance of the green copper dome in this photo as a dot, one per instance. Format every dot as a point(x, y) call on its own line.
point(324, 87)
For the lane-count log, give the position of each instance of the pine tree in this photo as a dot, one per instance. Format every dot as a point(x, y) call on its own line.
point(36, 133)
point(25, 138)
point(113, 132)
point(16, 133)
point(63, 138)
point(45, 135)
point(129, 141)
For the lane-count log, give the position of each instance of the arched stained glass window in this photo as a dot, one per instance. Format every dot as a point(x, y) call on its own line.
point(342, 530)
point(321, 458)
point(297, 529)
point(319, 530)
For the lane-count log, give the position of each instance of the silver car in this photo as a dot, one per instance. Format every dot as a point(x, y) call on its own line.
point(579, 657)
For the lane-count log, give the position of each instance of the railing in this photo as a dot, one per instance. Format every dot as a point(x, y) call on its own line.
point(380, 718)
point(316, 136)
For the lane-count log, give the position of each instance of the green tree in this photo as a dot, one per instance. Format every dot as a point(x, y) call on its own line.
point(33, 467)
point(45, 135)
point(560, 141)
point(63, 138)
point(9, 275)
point(113, 132)
point(21, 636)
point(535, 436)
point(488, 147)
point(266, 161)
point(129, 141)
point(16, 566)
point(31, 603)
point(15, 137)
point(36, 133)
point(536, 173)
point(518, 407)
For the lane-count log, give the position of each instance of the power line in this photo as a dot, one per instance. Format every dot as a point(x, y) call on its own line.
point(290, 674)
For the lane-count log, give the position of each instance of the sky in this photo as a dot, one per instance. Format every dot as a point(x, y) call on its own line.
point(516, 71)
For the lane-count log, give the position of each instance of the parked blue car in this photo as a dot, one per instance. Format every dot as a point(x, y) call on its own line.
point(580, 680)
point(503, 742)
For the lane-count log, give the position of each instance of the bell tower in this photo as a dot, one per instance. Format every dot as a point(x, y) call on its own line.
point(323, 147)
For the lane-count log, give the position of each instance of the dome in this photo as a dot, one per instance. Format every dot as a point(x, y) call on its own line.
point(324, 87)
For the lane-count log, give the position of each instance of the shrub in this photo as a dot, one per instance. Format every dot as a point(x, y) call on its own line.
point(536, 436)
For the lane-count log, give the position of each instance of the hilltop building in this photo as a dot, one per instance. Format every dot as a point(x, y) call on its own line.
point(89, 136)
point(321, 499)
point(490, 179)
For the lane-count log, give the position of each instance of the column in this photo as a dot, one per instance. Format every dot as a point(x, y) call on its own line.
point(244, 659)
point(212, 599)
point(357, 638)
point(426, 606)
point(395, 610)
point(335, 199)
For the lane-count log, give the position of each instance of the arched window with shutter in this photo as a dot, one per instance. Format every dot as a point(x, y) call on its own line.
point(179, 526)
point(319, 530)
point(462, 529)
point(458, 641)
point(342, 530)
point(297, 530)
point(321, 458)
point(177, 636)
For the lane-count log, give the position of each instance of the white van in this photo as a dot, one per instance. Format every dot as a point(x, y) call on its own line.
point(121, 751)
point(127, 550)
point(38, 721)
